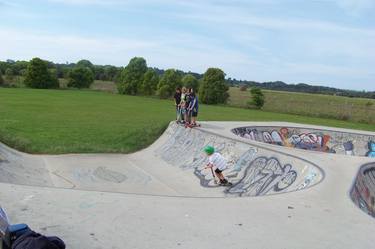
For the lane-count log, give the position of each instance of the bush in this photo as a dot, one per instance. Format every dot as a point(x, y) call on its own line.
point(38, 76)
point(9, 75)
point(164, 92)
point(86, 63)
point(189, 81)
point(369, 104)
point(243, 88)
point(1, 78)
point(80, 77)
point(168, 83)
point(213, 88)
point(149, 83)
point(257, 98)
point(132, 76)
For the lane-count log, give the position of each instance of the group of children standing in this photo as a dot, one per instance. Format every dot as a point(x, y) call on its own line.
point(186, 102)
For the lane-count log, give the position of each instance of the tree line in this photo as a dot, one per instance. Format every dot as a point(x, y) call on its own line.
point(136, 78)
point(10, 69)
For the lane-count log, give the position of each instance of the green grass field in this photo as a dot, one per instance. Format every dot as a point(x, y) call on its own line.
point(316, 105)
point(73, 121)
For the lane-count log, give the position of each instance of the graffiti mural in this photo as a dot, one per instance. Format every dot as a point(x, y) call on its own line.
point(184, 148)
point(363, 190)
point(249, 170)
point(262, 176)
point(234, 168)
point(310, 139)
point(283, 137)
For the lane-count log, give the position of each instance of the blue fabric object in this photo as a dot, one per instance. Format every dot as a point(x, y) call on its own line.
point(371, 146)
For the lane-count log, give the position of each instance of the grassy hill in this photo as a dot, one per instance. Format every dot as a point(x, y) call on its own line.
point(73, 121)
point(316, 105)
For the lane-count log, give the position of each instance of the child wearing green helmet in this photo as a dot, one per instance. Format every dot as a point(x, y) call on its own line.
point(217, 161)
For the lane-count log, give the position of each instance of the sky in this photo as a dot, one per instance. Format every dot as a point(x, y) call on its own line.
point(319, 42)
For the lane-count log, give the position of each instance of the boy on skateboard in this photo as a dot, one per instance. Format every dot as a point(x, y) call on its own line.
point(217, 161)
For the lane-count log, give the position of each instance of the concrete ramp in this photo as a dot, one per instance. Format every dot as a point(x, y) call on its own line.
point(23, 169)
point(161, 197)
point(253, 170)
point(172, 166)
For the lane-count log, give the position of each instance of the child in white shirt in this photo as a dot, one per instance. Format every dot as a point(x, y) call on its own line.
point(217, 161)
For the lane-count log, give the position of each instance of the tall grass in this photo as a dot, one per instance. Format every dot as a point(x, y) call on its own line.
point(315, 105)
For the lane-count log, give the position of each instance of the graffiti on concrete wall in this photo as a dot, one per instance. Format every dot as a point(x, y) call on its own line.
point(235, 167)
point(286, 137)
point(262, 176)
point(185, 148)
point(251, 173)
point(363, 190)
point(312, 139)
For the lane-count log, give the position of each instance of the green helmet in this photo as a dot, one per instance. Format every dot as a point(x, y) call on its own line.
point(209, 149)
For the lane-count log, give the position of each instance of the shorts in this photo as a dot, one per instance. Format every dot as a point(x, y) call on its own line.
point(218, 171)
point(194, 113)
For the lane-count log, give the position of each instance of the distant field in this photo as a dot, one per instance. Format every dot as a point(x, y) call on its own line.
point(73, 121)
point(100, 85)
point(106, 86)
point(316, 105)
point(307, 104)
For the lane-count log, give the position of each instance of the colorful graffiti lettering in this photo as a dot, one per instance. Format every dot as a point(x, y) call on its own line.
point(310, 139)
point(306, 141)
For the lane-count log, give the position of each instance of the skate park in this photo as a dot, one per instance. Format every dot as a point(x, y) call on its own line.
point(160, 197)
point(187, 124)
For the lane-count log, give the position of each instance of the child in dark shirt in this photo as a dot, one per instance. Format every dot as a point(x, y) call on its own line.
point(177, 101)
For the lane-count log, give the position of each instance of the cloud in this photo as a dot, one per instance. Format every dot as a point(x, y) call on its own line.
point(183, 51)
point(87, 2)
point(238, 37)
point(19, 44)
point(356, 7)
point(226, 17)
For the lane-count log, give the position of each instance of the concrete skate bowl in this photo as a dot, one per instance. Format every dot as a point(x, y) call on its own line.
point(172, 166)
point(254, 171)
point(363, 190)
point(323, 140)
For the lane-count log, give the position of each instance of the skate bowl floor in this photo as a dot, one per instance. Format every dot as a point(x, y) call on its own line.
point(162, 197)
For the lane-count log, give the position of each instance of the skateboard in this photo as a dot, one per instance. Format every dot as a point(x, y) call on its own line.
point(225, 184)
point(192, 126)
